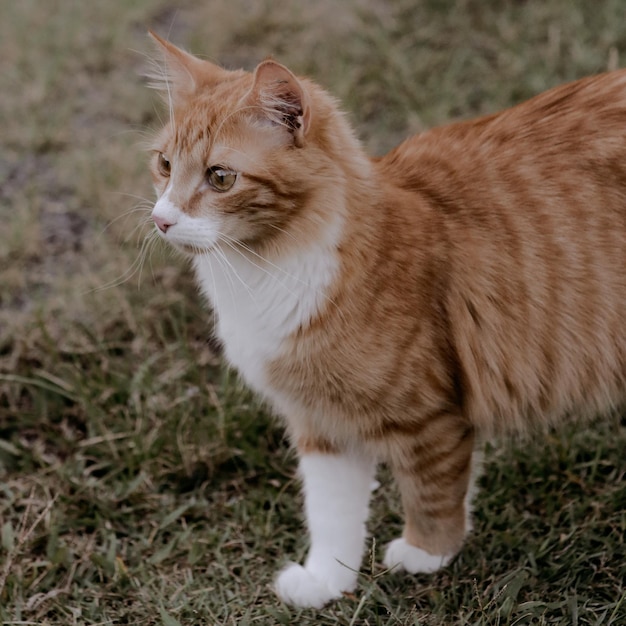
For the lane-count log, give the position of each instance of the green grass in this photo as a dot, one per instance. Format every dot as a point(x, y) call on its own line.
point(140, 482)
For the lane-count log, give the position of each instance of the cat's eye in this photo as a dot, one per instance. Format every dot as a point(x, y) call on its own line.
point(165, 167)
point(220, 178)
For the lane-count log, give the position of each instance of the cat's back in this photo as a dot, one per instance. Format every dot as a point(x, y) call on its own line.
point(579, 126)
point(532, 203)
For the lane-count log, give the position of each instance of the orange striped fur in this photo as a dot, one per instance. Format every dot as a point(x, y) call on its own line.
point(479, 280)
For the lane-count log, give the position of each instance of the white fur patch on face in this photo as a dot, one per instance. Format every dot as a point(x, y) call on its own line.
point(192, 234)
point(165, 211)
point(336, 491)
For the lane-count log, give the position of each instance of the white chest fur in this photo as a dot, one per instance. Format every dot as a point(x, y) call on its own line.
point(259, 303)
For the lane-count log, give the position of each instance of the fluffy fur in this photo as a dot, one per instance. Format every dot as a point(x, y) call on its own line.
point(469, 282)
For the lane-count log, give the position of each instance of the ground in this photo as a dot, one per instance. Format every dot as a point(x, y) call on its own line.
point(140, 482)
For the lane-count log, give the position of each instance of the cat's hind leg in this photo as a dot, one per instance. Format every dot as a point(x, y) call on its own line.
point(336, 491)
point(433, 473)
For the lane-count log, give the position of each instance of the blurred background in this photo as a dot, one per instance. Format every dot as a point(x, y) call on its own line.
point(140, 483)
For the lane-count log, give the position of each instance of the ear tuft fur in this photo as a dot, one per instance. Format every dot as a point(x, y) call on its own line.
point(181, 74)
point(281, 98)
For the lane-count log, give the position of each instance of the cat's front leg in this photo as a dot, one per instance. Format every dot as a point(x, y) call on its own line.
point(337, 489)
point(433, 472)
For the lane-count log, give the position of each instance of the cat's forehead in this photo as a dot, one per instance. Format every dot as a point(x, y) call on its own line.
point(225, 131)
point(192, 128)
point(214, 113)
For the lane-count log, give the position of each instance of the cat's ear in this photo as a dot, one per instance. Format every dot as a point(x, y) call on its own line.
point(281, 98)
point(181, 74)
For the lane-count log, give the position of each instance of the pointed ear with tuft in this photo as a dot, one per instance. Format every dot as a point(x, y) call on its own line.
point(182, 74)
point(280, 98)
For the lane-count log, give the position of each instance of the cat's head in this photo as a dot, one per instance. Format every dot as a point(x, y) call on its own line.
point(246, 158)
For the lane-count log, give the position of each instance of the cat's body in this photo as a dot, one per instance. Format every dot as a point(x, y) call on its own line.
point(471, 281)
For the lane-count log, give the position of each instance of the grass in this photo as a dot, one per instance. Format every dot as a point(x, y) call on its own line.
point(140, 482)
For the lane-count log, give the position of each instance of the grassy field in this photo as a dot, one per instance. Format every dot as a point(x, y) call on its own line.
point(140, 483)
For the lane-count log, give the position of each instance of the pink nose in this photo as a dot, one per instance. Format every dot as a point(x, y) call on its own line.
point(162, 223)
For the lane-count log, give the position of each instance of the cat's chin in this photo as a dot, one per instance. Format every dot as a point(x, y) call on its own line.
point(190, 250)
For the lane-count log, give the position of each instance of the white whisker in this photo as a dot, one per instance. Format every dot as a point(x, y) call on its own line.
point(140, 208)
point(136, 230)
point(231, 244)
point(224, 268)
point(215, 304)
point(219, 257)
point(147, 243)
point(235, 245)
point(230, 266)
point(132, 195)
point(282, 230)
point(152, 239)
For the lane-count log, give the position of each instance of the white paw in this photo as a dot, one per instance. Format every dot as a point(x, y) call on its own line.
point(401, 555)
point(297, 586)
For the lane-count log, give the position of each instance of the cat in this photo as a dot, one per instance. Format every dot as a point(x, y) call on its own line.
point(399, 309)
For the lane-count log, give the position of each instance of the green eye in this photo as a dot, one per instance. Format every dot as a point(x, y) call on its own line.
point(164, 165)
point(220, 178)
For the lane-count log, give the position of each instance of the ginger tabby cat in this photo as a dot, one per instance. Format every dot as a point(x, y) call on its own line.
point(397, 309)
